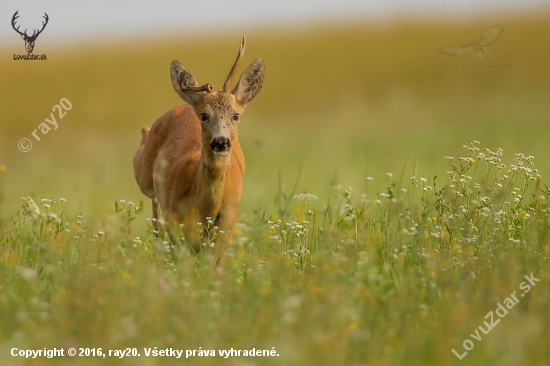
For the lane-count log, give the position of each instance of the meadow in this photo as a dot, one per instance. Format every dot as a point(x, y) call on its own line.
point(390, 203)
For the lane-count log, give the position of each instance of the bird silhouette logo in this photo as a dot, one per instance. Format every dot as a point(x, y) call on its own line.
point(478, 49)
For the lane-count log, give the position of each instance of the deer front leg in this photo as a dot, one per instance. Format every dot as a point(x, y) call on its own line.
point(226, 222)
point(159, 225)
point(155, 209)
point(162, 230)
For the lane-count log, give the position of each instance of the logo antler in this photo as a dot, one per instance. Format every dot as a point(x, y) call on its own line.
point(29, 40)
point(15, 16)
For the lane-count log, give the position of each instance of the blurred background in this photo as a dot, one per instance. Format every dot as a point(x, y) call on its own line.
point(352, 89)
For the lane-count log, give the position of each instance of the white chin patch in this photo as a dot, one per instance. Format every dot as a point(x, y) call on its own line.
point(221, 153)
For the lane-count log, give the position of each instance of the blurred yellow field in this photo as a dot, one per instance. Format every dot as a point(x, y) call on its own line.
point(350, 100)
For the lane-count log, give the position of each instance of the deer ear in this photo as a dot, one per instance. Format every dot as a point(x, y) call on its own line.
point(182, 78)
point(250, 82)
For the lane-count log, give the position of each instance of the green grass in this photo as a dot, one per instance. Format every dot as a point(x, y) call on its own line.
point(397, 277)
point(349, 280)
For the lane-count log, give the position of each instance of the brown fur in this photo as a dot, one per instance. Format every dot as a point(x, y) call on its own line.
point(176, 165)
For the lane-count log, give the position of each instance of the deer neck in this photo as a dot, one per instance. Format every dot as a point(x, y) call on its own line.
point(213, 174)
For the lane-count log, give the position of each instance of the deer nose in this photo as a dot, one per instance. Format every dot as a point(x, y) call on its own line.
point(220, 145)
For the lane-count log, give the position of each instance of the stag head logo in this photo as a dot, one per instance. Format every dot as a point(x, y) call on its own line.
point(29, 40)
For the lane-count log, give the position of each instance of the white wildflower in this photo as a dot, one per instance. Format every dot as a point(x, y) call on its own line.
point(304, 197)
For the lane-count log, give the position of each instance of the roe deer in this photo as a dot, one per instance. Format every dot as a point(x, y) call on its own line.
point(190, 161)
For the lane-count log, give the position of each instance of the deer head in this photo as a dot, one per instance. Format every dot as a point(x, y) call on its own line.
point(29, 40)
point(219, 111)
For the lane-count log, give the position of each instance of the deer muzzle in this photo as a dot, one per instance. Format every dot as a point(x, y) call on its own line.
point(220, 145)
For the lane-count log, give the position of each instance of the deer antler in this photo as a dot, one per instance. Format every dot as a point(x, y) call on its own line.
point(206, 87)
point(15, 16)
point(227, 84)
point(43, 26)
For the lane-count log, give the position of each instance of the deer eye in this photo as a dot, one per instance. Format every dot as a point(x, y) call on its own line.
point(236, 117)
point(204, 117)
